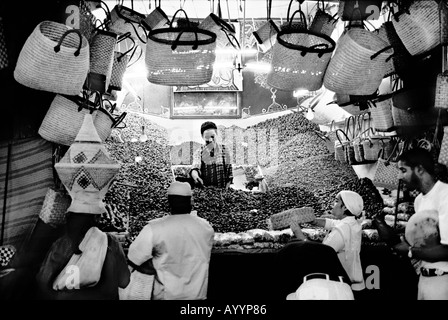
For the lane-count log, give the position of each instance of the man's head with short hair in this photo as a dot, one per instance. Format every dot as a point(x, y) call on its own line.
point(417, 168)
point(418, 157)
point(207, 126)
point(180, 197)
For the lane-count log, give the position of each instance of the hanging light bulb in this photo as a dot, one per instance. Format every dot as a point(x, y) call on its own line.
point(143, 136)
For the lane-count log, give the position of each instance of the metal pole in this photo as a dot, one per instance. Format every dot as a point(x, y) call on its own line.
point(396, 204)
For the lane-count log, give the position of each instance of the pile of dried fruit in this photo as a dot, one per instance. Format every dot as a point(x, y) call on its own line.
point(305, 175)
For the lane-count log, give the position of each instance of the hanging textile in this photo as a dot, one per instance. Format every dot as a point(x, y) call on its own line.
point(30, 173)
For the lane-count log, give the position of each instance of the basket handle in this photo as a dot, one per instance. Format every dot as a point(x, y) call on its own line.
point(174, 16)
point(323, 5)
point(302, 16)
point(323, 46)
point(136, 32)
point(381, 51)
point(268, 9)
point(112, 105)
point(132, 48)
point(57, 48)
point(347, 126)
point(233, 40)
point(106, 9)
point(195, 46)
point(119, 120)
point(98, 100)
point(337, 135)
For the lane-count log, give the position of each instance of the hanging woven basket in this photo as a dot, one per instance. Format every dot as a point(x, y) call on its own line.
point(382, 33)
point(156, 19)
point(54, 58)
point(358, 64)
point(299, 60)
point(381, 112)
point(102, 58)
point(124, 20)
point(219, 27)
point(64, 118)
point(180, 56)
point(323, 23)
point(419, 28)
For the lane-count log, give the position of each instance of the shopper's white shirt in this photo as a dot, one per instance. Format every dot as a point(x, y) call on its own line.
point(345, 238)
point(436, 199)
point(180, 246)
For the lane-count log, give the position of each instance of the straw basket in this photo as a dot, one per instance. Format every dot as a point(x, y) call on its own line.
point(54, 58)
point(358, 149)
point(124, 20)
point(54, 208)
point(218, 26)
point(299, 60)
point(86, 21)
point(290, 24)
point(104, 122)
point(358, 64)
point(4, 61)
point(405, 118)
point(102, 54)
point(419, 30)
point(266, 35)
point(443, 155)
point(180, 56)
point(118, 69)
point(382, 33)
point(283, 219)
point(340, 146)
point(402, 59)
point(381, 112)
point(323, 23)
point(156, 19)
point(64, 119)
point(371, 148)
point(441, 99)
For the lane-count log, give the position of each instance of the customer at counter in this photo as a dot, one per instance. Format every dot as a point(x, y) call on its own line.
point(179, 246)
point(345, 236)
point(211, 162)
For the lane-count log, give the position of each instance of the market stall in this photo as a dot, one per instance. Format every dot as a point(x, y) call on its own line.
point(348, 88)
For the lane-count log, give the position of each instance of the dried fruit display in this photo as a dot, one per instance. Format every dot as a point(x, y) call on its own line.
point(306, 176)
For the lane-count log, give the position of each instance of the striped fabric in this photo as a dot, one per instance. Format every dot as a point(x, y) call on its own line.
point(30, 175)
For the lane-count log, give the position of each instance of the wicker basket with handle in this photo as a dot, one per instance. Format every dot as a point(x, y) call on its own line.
point(54, 58)
point(282, 220)
point(180, 56)
point(358, 64)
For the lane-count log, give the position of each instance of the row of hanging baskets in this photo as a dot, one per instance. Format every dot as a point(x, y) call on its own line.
point(58, 59)
point(361, 58)
point(302, 57)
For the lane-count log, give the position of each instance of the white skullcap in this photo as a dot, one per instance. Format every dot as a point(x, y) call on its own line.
point(180, 189)
point(353, 202)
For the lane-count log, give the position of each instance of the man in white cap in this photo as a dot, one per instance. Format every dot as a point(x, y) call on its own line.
point(179, 246)
point(345, 236)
